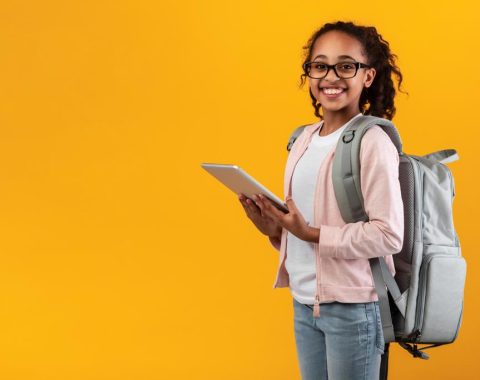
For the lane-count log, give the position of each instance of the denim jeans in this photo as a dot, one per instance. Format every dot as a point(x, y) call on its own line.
point(344, 343)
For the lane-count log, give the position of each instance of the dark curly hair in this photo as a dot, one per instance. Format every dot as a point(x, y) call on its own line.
point(378, 99)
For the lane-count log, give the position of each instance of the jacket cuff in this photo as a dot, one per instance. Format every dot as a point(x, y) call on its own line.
point(328, 240)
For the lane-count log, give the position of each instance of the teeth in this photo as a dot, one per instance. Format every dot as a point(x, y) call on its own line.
point(332, 91)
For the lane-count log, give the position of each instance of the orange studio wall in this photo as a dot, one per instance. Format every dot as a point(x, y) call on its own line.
point(120, 257)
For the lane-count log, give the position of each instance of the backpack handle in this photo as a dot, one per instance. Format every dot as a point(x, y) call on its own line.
point(443, 156)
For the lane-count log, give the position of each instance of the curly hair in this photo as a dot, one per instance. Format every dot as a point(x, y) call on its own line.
point(378, 100)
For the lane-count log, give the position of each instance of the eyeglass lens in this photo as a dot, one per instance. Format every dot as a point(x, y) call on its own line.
point(343, 70)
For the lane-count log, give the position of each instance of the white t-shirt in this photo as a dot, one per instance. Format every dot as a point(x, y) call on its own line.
point(301, 262)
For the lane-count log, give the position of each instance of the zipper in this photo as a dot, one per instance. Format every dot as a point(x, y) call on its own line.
point(422, 292)
point(451, 181)
point(419, 311)
point(316, 306)
point(416, 334)
point(421, 297)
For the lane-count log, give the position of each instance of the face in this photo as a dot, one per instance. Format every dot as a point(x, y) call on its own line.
point(331, 48)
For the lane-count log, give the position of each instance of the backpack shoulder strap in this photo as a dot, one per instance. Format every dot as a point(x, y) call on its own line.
point(346, 165)
point(297, 132)
point(346, 184)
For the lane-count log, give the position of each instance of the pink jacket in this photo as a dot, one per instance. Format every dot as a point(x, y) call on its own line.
point(343, 249)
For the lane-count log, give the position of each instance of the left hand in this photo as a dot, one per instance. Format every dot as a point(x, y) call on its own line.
point(293, 221)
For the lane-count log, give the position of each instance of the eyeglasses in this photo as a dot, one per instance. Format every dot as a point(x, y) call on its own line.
point(344, 70)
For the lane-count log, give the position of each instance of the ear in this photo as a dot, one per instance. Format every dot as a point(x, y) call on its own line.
point(369, 76)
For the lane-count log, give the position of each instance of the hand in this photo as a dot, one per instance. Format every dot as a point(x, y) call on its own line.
point(265, 224)
point(293, 221)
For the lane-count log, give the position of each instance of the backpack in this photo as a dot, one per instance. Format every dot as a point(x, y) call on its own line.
point(424, 302)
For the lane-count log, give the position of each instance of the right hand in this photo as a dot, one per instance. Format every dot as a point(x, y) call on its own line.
point(264, 224)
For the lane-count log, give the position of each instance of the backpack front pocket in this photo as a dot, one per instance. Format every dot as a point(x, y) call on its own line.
point(440, 297)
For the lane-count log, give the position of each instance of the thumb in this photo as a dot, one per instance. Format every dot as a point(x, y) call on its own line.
point(291, 204)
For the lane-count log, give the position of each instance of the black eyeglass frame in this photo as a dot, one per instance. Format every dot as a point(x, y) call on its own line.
point(356, 64)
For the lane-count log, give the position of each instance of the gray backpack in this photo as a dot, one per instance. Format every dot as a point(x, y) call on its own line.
point(424, 302)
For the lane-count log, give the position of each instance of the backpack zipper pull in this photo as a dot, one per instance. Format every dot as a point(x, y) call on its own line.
point(316, 306)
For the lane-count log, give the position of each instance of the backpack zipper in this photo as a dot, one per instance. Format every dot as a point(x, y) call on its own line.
point(419, 312)
point(417, 332)
point(422, 292)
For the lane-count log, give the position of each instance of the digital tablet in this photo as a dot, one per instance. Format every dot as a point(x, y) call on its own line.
point(239, 181)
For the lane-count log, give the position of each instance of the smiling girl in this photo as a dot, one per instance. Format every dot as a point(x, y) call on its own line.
point(337, 324)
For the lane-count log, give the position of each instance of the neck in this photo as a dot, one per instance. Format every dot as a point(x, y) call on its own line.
point(332, 120)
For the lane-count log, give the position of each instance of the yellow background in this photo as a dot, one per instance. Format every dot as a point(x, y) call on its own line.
point(120, 257)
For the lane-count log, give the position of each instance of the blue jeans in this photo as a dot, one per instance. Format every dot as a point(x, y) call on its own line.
point(344, 343)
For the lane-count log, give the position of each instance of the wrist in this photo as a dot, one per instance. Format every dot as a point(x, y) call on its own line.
point(313, 235)
point(278, 234)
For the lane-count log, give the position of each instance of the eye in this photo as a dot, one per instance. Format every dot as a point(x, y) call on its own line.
point(346, 66)
point(319, 66)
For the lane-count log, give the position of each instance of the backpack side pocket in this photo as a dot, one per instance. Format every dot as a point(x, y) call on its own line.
point(442, 281)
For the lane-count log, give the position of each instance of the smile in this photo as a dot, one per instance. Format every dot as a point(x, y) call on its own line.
point(332, 91)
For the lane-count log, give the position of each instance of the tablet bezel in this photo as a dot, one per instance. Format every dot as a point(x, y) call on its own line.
point(218, 171)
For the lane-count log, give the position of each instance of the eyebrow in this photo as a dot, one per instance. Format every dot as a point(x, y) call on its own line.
point(339, 57)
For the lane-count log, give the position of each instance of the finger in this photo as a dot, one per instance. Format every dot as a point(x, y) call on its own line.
point(262, 205)
point(259, 206)
point(242, 200)
point(253, 207)
point(270, 209)
point(257, 201)
point(291, 204)
point(245, 206)
point(248, 206)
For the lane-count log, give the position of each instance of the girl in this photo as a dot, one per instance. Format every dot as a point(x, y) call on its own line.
point(337, 325)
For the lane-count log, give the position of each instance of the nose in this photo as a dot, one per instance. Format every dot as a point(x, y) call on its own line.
point(331, 76)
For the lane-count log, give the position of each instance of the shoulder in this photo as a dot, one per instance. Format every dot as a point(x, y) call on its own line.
point(376, 134)
point(309, 128)
point(305, 132)
point(377, 143)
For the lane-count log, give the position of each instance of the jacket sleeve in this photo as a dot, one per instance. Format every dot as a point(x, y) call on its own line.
point(275, 243)
point(382, 235)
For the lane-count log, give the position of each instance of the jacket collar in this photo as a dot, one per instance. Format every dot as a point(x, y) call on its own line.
point(312, 128)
